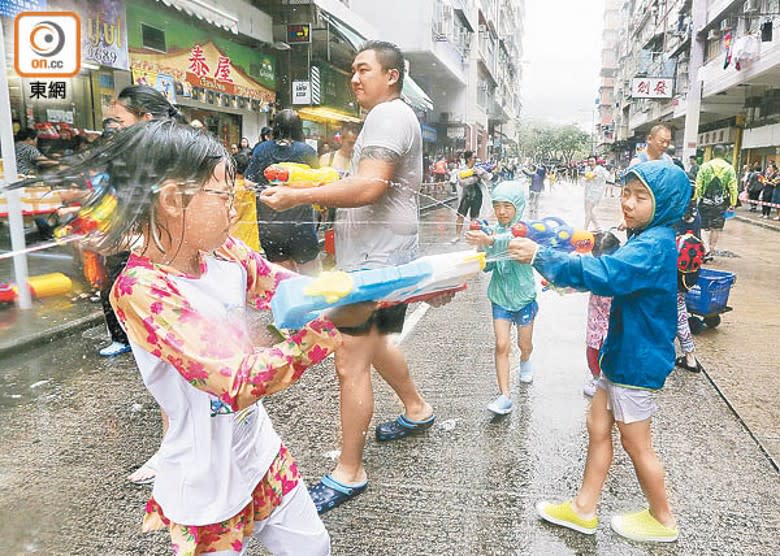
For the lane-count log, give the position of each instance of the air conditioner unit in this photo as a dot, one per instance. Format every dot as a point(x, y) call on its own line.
point(713, 35)
point(751, 6)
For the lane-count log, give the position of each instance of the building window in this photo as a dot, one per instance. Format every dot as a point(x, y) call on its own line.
point(153, 38)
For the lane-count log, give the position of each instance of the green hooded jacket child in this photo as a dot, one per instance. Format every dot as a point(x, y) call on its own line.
point(512, 284)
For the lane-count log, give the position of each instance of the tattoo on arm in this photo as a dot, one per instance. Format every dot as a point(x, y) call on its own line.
point(380, 153)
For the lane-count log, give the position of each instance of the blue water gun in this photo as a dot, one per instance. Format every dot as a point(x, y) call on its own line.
point(555, 232)
point(298, 300)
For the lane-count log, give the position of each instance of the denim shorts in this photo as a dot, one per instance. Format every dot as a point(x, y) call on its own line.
point(521, 317)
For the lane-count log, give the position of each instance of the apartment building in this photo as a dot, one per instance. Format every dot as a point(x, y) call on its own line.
point(466, 55)
point(739, 76)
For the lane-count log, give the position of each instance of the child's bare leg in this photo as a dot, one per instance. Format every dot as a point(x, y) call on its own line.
point(502, 329)
point(525, 336)
point(600, 422)
point(637, 441)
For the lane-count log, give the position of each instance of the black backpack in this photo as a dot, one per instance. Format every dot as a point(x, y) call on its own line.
point(714, 192)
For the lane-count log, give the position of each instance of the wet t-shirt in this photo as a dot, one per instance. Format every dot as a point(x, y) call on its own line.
point(384, 233)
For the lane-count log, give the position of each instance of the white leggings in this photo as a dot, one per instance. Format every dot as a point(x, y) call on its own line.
point(292, 528)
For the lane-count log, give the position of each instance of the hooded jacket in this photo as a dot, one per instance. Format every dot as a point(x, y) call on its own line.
point(512, 283)
point(641, 276)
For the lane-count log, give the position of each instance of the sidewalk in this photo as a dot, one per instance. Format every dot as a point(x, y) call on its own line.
point(50, 318)
point(744, 215)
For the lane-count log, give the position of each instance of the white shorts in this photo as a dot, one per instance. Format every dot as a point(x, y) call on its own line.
point(628, 405)
point(293, 528)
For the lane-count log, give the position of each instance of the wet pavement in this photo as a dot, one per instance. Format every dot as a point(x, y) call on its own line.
point(75, 425)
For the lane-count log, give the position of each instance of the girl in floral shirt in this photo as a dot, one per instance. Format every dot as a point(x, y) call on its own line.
point(223, 473)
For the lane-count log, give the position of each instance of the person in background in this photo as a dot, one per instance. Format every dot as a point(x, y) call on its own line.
point(716, 190)
point(288, 237)
point(658, 141)
point(755, 186)
point(29, 160)
point(693, 168)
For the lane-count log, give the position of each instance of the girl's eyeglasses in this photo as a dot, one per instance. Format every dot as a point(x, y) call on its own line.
point(229, 196)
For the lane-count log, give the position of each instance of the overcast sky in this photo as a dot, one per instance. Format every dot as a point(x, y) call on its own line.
point(562, 55)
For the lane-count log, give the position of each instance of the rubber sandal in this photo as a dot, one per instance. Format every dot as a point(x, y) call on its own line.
point(402, 427)
point(329, 493)
point(680, 362)
point(146, 474)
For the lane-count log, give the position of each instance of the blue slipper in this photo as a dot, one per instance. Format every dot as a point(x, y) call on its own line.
point(401, 427)
point(329, 493)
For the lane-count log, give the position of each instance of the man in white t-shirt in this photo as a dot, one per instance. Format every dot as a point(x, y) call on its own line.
point(376, 226)
point(596, 177)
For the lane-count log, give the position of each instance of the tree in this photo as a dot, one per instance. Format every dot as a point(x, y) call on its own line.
point(545, 142)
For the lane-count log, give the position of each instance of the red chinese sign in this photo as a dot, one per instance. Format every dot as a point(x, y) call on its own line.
point(197, 60)
point(652, 87)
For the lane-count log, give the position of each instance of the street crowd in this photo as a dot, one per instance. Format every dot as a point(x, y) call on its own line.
point(198, 233)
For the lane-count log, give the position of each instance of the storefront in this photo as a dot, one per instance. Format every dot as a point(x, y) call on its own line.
point(227, 86)
point(67, 112)
point(762, 145)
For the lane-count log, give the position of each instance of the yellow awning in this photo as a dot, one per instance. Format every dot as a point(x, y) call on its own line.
point(326, 115)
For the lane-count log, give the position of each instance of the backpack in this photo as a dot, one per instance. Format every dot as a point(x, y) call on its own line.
point(690, 256)
point(714, 191)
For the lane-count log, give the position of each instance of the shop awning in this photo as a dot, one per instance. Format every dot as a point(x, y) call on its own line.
point(201, 10)
point(326, 115)
point(412, 93)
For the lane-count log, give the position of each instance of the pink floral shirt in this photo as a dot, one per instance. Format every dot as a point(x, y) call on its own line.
point(598, 320)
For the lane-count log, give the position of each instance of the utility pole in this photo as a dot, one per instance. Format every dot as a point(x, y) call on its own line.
point(15, 217)
point(693, 99)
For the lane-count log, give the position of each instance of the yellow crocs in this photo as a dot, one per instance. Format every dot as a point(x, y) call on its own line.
point(643, 527)
point(563, 514)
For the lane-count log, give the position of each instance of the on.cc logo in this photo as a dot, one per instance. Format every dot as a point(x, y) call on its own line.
point(47, 44)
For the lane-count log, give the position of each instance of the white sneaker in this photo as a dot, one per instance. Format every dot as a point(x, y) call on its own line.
point(501, 405)
point(114, 349)
point(454, 240)
point(526, 372)
point(589, 389)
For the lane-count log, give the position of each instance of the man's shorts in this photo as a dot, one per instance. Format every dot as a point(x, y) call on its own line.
point(282, 242)
point(388, 320)
point(522, 317)
point(712, 216)
point(628, 405)
point(471, 203)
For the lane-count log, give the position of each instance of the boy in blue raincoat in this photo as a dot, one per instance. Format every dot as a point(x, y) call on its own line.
point(638, 353)
point(512, 291)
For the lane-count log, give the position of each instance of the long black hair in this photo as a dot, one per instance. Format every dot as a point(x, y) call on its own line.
point(132, 165)
point(288, 126)
point(140, 100)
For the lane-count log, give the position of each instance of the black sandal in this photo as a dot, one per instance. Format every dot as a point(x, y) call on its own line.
point(682, 363)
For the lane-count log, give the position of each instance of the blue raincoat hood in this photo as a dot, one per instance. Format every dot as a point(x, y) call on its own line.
point(669, 186)
point(511, 191)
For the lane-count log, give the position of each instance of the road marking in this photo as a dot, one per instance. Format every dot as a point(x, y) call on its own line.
point(410, 323)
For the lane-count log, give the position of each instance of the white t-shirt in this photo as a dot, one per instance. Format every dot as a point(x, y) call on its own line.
point(594, 186)
point(384, 233)
point(211, 457)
